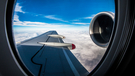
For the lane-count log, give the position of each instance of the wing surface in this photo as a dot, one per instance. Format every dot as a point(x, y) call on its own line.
point(42, 60)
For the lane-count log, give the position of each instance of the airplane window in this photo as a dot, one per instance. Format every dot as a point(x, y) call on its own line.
point(51, 34)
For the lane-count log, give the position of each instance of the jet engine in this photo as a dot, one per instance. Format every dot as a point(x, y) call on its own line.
point(101, 27)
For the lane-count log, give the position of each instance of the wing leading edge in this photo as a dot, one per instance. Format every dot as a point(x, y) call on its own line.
point(48, 60)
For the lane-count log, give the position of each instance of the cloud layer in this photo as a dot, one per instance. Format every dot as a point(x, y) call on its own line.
point(88, 53)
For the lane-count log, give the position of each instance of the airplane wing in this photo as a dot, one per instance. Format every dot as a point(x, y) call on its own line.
point(43, 60)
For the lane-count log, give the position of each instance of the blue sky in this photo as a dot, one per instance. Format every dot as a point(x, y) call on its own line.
point(54, 14)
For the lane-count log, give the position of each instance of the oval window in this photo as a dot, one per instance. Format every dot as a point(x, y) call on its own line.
point(62, 37)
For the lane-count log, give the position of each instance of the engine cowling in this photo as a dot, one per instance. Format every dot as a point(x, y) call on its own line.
point(101, 27)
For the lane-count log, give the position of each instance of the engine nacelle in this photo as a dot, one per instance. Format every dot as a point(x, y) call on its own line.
point(101, 27)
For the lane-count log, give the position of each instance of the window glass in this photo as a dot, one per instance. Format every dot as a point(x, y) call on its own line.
point(70, 18)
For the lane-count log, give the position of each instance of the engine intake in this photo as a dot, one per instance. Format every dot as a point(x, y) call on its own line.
point(101, 27)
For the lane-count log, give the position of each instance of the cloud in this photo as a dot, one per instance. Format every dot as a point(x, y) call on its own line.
point(75, 20)
point(55, 18)
point(81, 23)
point(88, 53)
point(18, 8)
point(23, 36)
point(16, 17)
point(40, 24)
point(25, 23)
point(79, 19)
point(16, 20)
point(26, 34)
point(90, 17)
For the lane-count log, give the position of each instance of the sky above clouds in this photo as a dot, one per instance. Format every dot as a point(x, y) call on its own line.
point(58, 13)
point(70, 18)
